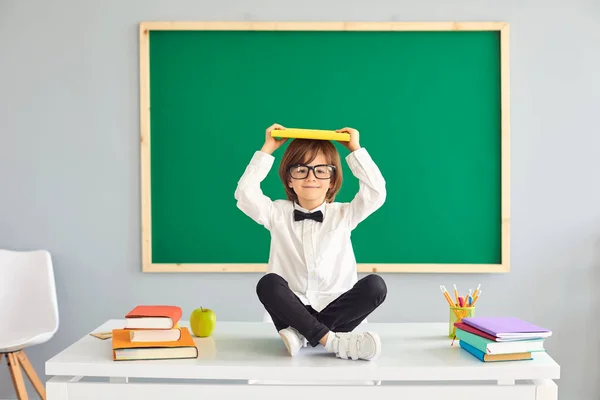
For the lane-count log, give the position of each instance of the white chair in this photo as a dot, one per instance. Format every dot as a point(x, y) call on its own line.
point(28, 311)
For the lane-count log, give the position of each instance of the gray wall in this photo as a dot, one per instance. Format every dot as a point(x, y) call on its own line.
point(69, 166)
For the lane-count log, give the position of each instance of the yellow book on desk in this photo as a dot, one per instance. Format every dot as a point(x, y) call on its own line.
point(124, 349)
point(319, 134)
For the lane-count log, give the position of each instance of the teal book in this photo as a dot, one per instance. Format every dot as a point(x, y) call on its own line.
point(490, 347)
point(494, 357)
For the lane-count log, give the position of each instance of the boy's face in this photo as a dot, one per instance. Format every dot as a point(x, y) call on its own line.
point(311, 190)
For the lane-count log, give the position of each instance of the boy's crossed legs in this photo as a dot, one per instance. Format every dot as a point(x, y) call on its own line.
point(332, 326)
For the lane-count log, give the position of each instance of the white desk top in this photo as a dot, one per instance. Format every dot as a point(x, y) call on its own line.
point(254, 350)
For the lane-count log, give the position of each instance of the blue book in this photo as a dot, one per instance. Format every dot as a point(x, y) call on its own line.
point(494, 357)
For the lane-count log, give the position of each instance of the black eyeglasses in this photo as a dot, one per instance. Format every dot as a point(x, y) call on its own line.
point(321, 171)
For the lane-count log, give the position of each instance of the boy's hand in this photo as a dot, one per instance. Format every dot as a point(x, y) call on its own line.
point(354, 143)
point(271, 143)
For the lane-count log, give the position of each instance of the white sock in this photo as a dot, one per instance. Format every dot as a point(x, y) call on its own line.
point(329, 342)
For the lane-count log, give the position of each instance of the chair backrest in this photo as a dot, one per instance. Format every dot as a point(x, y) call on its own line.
point(28, 300)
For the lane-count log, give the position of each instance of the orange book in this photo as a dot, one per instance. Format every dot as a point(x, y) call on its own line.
point(124, 349)
point(153, 317)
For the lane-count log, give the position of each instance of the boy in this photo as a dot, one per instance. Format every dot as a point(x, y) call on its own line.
point(311, 291)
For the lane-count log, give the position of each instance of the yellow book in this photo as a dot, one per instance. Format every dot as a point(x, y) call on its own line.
point(124, 349)
point(319, 134)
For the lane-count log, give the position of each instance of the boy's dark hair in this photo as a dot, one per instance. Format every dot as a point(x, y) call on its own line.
point(304, 151)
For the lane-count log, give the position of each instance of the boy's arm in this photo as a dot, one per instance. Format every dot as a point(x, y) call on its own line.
point(371, 192)
point(249, 196)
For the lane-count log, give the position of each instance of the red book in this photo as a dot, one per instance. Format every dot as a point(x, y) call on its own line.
point(475, 331)
point(153, 317)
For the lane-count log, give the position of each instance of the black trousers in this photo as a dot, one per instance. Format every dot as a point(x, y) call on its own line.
point(342, 315)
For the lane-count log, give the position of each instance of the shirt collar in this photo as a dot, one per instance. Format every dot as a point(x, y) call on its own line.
point(320, 208)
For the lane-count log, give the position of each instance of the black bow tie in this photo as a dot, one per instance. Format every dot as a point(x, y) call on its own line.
point(299, 216)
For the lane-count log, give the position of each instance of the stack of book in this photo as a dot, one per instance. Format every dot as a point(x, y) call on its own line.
point(152, 332)
point(500, 338)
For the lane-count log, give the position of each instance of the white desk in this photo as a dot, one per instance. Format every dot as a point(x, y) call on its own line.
point(417, 362)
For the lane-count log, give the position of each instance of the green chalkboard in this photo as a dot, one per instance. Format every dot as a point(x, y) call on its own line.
point(428, 104)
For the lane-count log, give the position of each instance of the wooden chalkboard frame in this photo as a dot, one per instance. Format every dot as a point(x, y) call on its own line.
point(144, 60)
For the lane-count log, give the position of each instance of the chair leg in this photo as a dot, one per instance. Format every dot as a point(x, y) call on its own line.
point(33, 377)
point(17, 377)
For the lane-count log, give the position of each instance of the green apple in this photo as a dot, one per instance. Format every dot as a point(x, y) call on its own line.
point(203, 322)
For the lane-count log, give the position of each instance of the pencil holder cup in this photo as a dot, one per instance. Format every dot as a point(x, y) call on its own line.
point(456, 315)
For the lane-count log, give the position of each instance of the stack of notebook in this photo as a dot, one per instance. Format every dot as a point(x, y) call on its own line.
point(500, 338)
point(152, 332)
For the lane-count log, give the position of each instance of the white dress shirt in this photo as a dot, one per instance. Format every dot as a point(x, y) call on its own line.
point(315, 258)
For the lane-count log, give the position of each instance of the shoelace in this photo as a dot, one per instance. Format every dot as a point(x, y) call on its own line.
point(349, 345)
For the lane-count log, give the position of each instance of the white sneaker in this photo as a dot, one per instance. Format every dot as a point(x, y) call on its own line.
point(293, 340)
point(355, 345)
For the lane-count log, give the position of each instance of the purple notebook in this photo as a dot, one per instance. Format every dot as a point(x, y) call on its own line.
point(507, 327)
